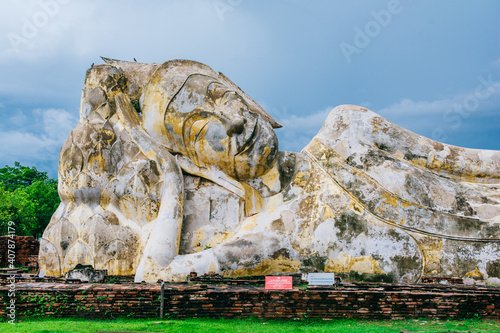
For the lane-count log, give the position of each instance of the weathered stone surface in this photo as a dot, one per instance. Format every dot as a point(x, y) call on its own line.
point(86, 274)
point(173, 169)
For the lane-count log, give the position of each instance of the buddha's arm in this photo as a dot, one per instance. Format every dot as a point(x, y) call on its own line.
point(161, 237)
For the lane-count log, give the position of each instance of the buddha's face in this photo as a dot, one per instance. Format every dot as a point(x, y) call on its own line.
point(217, 128)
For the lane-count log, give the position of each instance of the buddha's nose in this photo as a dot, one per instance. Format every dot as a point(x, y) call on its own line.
point(235, 124)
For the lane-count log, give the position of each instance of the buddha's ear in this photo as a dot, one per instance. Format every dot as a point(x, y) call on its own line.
point(212, 174)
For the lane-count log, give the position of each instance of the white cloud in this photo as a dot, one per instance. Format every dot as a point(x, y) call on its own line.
point(56, 123)
point(434, 119)
point(483, 97)
point(448, 116)
point(23, 145)
point(18, 119)
point(307, 123)
point(83, 29)
point(421, 108)
point(39, 145)
point(36, 29)
point(298, 131)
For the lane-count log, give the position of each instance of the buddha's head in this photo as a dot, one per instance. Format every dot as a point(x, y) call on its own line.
point(202, 115)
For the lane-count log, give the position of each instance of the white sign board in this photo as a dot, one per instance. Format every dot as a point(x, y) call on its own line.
point(321, 279)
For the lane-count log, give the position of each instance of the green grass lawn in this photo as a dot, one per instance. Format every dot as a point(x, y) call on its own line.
point(72, 325)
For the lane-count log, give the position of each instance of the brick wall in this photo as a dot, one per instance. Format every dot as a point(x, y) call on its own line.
point(26, 247)
point(369, 301)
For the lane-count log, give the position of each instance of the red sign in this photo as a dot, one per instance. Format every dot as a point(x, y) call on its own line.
point(279, 283)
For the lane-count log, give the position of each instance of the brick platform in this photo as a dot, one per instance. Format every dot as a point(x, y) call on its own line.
point(26, 250)
point(361, 300)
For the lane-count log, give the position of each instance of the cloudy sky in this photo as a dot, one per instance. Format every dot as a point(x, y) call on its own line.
point(430, 66)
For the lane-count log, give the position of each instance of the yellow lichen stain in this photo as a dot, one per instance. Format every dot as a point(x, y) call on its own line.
point(301, 179)
point(476, 274)
point(327, 213)
point(198, 238)
point(249, 224)
point(271, 178)
point(378, 124)
point(356, 207)
point(196, 128)
point(432, 250)
point(469, 171)
point(420, 163)
point(219, 238)
point(261, 169)
point(310, 215)
point(266, 267)
point(254, 203)
point(381, 208)
point(147, 210)
point(390, 199)
point(406, 204)
point(435, 164)
point(177, 126)
point(345, 263)
point(151, 154)
point(128, 206)
point(399, 154)
point(118, 267)
point(178, 239)
point(97, 160)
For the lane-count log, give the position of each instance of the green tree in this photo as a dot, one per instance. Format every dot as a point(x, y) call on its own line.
point(29, 199)
point(45, 200)
point(20, 176)
point(6, 208)
point(24, 212)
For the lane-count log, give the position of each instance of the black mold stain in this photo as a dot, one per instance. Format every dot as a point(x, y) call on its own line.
point(283, 252)
point(314, 262)
point(493, 268)
point(350, 225)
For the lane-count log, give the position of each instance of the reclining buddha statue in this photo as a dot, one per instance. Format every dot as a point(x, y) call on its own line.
point(172, 168)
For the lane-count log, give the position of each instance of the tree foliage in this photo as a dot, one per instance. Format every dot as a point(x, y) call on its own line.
point(28, 197)
point(20, 176)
